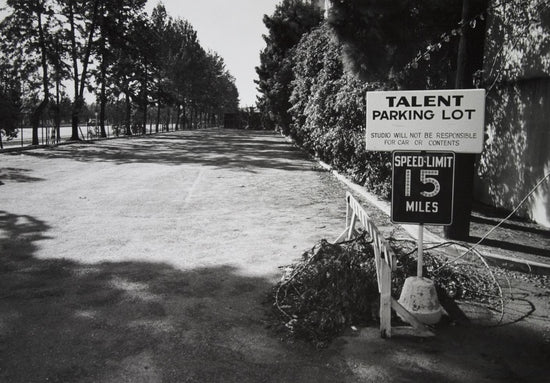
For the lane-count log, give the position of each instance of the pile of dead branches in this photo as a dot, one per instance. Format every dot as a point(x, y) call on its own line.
point(334, 286)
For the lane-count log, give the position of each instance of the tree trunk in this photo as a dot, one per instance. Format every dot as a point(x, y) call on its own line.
point(177, 116)
point(74, 54)
point(36, 115)
point(144, 100)
point(102, 99)
point(57, 116)
point(158, 117)
point(102, 105)
point(128, 114)
point(75, 117)
point(79, 83)
point(103, 94)
point(103, 72)
point(184, 117)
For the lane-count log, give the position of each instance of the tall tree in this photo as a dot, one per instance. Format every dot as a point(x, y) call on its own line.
point(223, 96)
point(162, 60)
point(291, 19)
point(10, 100)
point(27, 28)
point(115, 21)
point(381, 36)
point(123, 73)
point(146, 49)
point(187, 53)
point(83, 19)
point(60, 72)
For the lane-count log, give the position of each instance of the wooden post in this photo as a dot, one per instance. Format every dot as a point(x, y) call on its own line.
point(469, 59)
point(385, 300)
point(348, 210)
point(352, 224)
point(420, 260)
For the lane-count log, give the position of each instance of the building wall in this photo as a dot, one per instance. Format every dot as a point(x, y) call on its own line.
point(516, 75)
point(322, 4)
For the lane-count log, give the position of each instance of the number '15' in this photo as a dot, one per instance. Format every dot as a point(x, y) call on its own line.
point(425, 179)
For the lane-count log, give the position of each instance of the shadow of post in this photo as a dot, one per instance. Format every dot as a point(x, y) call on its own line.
point(244, 150)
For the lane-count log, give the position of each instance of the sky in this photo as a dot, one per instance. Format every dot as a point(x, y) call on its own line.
point(233, 29)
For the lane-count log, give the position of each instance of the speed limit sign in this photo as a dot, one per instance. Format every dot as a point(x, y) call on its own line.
point(422, 187)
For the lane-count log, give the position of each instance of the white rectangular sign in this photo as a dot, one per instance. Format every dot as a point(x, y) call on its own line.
point(430, 120)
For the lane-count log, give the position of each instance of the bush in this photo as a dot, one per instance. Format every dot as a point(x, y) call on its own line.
point(328, 111)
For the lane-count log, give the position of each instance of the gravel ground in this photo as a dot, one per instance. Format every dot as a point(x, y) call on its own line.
point(148, 259)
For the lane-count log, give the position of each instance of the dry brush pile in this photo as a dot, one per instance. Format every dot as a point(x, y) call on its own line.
point(334, 286)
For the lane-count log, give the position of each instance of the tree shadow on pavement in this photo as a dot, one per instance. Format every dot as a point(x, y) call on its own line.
point(62, 321)
point(483, 350)
point(16, 175)
point(513, 247)
point(517, 239)
point(513, 225)
point(515, 236)
point(217, 148)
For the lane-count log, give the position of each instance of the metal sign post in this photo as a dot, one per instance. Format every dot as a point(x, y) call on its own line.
point(424, 129)
point(422, 193)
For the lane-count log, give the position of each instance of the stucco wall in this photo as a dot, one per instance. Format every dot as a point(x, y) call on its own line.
point(517, 77)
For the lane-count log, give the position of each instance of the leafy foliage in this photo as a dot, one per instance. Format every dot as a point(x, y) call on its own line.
point(360, 49)
point(10, 104)
point(291, 19)
point(328, 111)
point(380, 37)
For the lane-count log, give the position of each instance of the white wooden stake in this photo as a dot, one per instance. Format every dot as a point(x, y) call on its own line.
point(420, 261)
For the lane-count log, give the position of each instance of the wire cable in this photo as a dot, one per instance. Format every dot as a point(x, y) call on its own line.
point(472, 248)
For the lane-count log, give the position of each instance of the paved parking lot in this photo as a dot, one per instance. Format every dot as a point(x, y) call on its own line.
point(147, 260)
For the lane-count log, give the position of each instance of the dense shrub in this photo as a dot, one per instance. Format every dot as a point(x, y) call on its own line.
point(291, 20)
point(323, 105)
point(381, 36)
point(328, 111)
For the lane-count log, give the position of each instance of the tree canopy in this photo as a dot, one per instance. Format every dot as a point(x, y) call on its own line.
point(291, 20)
point(381, 36)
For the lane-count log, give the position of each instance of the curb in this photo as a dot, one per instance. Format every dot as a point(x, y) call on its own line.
point(499, 260)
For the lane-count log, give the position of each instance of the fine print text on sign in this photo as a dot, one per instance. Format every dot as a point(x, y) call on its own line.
point(444, 120)
point(422, 187)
